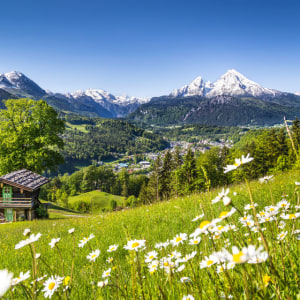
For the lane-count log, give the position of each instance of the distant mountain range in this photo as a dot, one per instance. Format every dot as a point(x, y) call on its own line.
point(231, 100)
point(92, 102)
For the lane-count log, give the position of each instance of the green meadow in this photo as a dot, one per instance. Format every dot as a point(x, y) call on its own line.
point(94, 201)
point(180, 269)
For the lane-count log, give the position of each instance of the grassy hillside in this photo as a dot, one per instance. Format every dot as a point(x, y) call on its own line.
point(275, 277)
point(94, 201)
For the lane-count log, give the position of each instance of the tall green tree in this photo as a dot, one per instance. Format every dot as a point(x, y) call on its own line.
point(188, 173)
point(29, 136)
point(153, 187)
point(166, 176)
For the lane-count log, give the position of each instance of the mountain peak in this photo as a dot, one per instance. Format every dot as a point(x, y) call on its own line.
point(21, 83)
point(232, 83)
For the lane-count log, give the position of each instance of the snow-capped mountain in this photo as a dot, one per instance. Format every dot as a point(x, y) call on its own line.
point(20, 85)
point(101, 96)
point(94, 102)
point(232, 83)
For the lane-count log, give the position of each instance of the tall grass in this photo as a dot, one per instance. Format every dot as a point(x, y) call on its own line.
point(274, 276)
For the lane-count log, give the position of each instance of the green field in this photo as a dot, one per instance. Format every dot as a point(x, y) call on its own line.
point(130, 278)
point(94, 201)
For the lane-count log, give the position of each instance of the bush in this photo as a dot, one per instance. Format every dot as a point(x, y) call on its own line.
point(41, 213)
point(113, 204)
point(81, 206)
point(132, 201)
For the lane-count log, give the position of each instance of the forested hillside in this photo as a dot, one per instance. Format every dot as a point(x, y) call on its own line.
point(88, 139)
point(220, 110)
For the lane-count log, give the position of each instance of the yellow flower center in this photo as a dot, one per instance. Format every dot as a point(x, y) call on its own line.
point(272, 209)
point(203, 223)
point(195, 242)
point(166, 264)
point(236, 164)
point(134, 245)
point(210, 262)
point(283, 205)
point(93, 256)
point(237, 258)
point(112, 248)
point(223, 214)
point(178, 239)
point(292, 216)
point(248, 223)
point(51, 286)
point(282, 235)
point(262, 213)
point(220, 227)
point(221, 269)
point(151, 257)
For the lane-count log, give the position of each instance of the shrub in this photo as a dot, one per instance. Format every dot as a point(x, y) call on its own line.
point(113, 204)
point(41, 213)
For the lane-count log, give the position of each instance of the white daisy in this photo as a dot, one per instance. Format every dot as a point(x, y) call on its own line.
point(106, 273)
point(85, 240)
point(195, 241)
point(21, 277)
point(266, 179)
point(102, 284)
point(222, 196)
point(198, 217)
point(54, 242)
point(150, 256)
point(188, 297)
point(135, 244)
point(5, 281)
point(178, 239)
point(112, 248)
point(33, 238)
point(290, 216)
point(282, 235)
point(26, 231)
point(185, 279)
point(51, 285)
point(93, 255)
point(208, 261)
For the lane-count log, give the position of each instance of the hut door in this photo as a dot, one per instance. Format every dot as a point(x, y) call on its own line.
point(7, 198)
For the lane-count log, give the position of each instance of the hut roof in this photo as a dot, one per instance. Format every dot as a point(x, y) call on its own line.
point(24, 179)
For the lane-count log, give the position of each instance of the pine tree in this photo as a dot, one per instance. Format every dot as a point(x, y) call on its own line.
point(154, 181)
point(166, 176)
point(296, 133)
point(188, 172)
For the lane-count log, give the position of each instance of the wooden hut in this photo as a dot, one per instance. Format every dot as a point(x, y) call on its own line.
point(20, 195)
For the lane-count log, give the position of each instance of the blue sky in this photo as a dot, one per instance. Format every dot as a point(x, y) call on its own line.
point(148, 48)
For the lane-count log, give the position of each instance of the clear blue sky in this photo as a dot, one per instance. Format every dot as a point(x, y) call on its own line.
point(148, 48)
